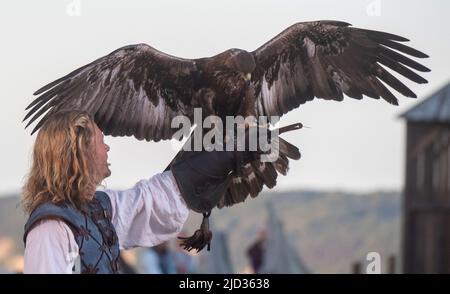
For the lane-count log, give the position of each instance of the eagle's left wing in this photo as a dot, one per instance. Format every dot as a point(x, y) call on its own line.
point(326, 59)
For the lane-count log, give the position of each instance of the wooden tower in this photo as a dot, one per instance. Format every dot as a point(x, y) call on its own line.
point(426, 203)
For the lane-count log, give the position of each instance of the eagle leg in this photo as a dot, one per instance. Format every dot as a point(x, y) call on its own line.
point(201, 238)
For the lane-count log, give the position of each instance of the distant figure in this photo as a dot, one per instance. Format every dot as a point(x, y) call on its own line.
point(158, 260)
point(257, 250)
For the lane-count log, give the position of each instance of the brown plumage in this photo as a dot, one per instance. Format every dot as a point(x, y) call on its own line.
point(138, 90)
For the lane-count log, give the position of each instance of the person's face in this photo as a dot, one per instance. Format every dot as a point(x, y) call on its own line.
point(101, 154)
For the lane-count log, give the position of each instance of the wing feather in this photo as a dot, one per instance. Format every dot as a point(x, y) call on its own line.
point(134, 91)
point(327, 59)
point(258, 174)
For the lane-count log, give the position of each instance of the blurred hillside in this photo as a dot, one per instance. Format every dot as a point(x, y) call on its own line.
point(329, 230)
point(12, 220)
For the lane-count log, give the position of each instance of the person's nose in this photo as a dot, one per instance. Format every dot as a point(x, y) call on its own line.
point(107, 147)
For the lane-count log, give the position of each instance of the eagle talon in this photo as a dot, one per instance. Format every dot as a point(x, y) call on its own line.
point(201, 238)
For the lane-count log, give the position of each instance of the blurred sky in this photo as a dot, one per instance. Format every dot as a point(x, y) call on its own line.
point(352, 145)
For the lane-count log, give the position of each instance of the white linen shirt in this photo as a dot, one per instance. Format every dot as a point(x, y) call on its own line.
point(151, 212)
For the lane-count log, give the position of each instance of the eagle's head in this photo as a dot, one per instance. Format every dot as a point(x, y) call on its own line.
point(240, 61)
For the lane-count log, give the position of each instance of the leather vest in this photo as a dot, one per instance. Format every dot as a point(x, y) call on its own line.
point(93, 231)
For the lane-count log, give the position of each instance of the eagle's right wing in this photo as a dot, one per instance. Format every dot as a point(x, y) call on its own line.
point(134, 91)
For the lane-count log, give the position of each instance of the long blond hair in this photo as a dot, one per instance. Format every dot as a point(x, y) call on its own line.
point(63, 165)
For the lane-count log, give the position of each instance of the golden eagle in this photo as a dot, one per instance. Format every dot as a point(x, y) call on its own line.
point(137, 90)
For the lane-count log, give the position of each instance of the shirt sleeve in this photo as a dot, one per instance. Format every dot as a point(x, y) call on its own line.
point(151, 212)
point(50, 249)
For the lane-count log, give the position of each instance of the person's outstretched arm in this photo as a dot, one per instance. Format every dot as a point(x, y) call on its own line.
point(151, 212)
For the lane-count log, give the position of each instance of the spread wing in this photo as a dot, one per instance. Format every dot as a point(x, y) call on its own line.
point(327, 59)
point(134, 91)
